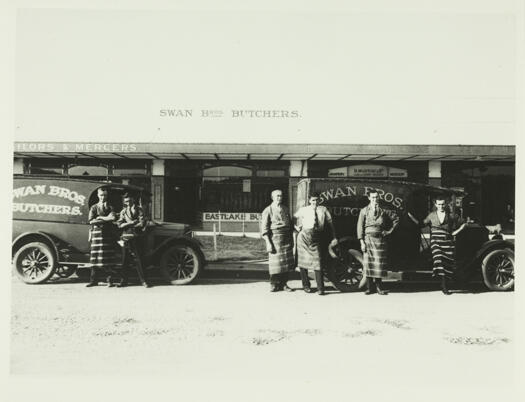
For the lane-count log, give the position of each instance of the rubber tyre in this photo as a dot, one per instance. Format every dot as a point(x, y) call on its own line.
point(497, 268)
point(180, 264)
point(359, 257)
point(348, 281)
point(34, 263)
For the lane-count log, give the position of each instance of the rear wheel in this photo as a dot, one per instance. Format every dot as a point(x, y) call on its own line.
point(498, 269)
point(35, 262)
point(180, 264)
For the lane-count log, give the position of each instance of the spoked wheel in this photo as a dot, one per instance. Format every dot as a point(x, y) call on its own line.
point(180, 264)
point(34, 263)
point(347, 271)
point(65, 271)
point(498, 269)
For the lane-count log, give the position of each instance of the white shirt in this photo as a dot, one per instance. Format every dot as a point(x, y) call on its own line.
point(307, 218)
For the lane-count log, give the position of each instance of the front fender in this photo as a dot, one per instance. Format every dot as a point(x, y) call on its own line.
point(351, 240)
point(195, 244)
point(28, 237)
point(469, 268)
point(493, 245)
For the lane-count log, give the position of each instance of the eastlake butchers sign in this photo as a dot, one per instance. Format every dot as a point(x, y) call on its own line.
point(231, 217)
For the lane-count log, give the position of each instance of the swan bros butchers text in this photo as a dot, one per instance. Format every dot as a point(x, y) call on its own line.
point(54, 191)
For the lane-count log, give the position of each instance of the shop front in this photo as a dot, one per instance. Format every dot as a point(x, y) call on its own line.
point(225, 187)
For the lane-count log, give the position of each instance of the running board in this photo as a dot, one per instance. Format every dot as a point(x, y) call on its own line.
point(409, 275)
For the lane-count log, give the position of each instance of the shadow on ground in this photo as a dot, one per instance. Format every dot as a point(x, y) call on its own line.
point(239, 277)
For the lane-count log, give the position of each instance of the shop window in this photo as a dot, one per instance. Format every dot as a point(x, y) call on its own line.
point(222, 173)
point(45, 167)
point(231, 195)
point(270, 173)
point(130, 168)
point(88, 170)
point(490, 189)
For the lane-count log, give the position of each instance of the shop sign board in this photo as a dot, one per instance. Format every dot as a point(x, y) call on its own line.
point(246, 186)
point(368, 171)
point(231, 217)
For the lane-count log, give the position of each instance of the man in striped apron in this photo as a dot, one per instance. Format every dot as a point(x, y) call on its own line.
point(103, 239)
point(443, 228)
point(277, 232)
point(373, 227)
point(312, 221)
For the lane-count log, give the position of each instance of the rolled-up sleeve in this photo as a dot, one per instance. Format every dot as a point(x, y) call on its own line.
point(93, 213)
point(122, 218)
point(266, 222)
point(458, 221)
point(327, 216)
point(427, 221)
point(361, 225)
point(394, 218)
point(141, 218)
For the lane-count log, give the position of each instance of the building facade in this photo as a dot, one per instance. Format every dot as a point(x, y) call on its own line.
point(228, 185)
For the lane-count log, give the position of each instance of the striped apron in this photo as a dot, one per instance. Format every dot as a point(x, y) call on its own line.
point(102, 253)
point(443, 252)
point(309, 249)
point(282, 261)
point(375, 257)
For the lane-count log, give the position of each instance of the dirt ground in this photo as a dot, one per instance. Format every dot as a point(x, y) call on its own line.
point(224, 329)
point(233, 248)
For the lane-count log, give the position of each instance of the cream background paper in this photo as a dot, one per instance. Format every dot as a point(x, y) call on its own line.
point(407, 71)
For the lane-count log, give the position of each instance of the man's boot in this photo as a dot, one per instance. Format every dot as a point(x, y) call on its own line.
point(305, 281)
point(444, 286)
point(379, 286)
point(320, 282)
point(370, 286)
point(92, 278)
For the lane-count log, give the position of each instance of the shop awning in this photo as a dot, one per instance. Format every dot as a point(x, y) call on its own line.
point(222, 151)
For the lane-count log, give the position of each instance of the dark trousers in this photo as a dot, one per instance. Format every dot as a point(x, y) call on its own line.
point(279, 280)
point(131, 253)
point(318, 279)
point(98, 274)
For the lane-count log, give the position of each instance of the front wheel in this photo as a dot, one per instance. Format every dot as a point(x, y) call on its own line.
point(180, 264)
point(34, 262)
point(498, 269)
point(347, 271)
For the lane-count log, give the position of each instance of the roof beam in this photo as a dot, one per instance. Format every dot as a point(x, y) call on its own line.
point(408, 157)
point(376, 157)
point(89, 156)
point(120, 156)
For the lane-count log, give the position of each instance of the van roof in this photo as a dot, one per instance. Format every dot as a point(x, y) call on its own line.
point(422, 186)
point(98, 183)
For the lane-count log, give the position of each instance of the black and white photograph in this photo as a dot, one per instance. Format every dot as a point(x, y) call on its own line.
point(222, 201)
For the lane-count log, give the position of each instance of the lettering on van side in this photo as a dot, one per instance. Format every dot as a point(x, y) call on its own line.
point(46, 209)
point(353, 191)
point(55, 191)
